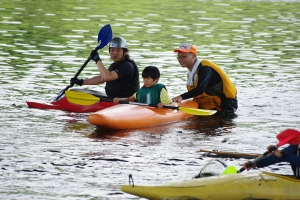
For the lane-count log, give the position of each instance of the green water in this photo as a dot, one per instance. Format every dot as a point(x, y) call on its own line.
point(58, 155)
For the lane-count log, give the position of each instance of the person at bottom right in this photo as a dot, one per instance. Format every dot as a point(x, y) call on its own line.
point(290, 154)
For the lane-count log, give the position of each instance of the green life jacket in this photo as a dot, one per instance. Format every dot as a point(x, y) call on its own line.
point(150, 95)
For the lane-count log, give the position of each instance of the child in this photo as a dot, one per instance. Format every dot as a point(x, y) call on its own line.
point(151, 92)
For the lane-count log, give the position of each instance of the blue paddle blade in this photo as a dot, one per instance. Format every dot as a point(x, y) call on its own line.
point(104, 36)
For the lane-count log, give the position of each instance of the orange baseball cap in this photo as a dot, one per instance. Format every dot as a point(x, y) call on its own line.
point(186, 48)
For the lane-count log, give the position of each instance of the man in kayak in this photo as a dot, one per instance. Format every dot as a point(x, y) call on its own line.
point(207, 83)
point(152, 92)
point(289, 154)
point(122, 76)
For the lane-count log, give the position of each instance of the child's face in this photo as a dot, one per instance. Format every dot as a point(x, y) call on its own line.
point(149, 82)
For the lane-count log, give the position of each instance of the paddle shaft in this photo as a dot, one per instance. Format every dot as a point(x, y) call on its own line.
point(82, 67)
point(144, 104)
point(101, 98)
point(75, 97)
point(136, 103)
point(171, 107)
point(76, 75)
point(151, 105)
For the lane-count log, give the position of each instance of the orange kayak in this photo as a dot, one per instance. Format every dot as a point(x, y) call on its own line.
point(128, 116)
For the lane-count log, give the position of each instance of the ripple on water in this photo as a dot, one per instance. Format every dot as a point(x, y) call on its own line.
point(51, 154)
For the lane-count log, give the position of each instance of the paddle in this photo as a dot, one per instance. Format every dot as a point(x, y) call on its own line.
point(104, 37)
point(228, 154)
point(288, 136)
point(192, 111)
point(89, 99)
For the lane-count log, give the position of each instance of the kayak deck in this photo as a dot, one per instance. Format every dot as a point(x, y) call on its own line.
point(65, 105)
point(251, 185)
point(127, 116)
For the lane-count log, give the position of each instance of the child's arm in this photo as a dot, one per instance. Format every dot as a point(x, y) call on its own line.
point(126, 99)
point(165, 98)
point(117, 100)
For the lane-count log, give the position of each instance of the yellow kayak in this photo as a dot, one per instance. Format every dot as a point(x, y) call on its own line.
point(247, 185)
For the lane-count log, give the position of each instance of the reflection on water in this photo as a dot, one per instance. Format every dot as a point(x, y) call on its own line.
point(202, 125)
point(210, 125)
point(56, 155)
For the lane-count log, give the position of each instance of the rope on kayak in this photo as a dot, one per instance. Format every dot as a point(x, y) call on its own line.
point(131, 180)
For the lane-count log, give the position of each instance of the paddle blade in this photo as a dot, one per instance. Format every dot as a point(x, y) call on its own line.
point(199, 112)
point(60, 94)
point(230, 170)
point(81, 98)
point(290, 136)
point(104, 36)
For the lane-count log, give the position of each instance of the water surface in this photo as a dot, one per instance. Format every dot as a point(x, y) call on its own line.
point(59, 155)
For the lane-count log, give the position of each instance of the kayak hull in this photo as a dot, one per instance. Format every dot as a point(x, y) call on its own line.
point(65, 105)
point(251, 185)
point(128, 116)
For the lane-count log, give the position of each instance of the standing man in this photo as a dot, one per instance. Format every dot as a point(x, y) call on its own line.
point(207, 83)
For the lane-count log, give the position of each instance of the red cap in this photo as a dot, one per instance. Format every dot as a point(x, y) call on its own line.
point(289, 136)
point(186, 48)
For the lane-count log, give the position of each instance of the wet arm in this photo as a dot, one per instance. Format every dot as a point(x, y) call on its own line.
point(94, 81)
point(125, 99)
point(288, 157)
point(106, 75)
point(269, 160)
point(204, 75)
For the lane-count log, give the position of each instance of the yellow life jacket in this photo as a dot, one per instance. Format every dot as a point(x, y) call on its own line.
point(206, 101)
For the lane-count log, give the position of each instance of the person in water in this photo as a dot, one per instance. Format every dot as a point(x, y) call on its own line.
point(290, 154)
point(122, 76)
point(207, 83)
point(152, 92)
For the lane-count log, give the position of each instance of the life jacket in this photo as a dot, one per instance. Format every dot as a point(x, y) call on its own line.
point(212, 97)
point(117, 89)
point(150, 95)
